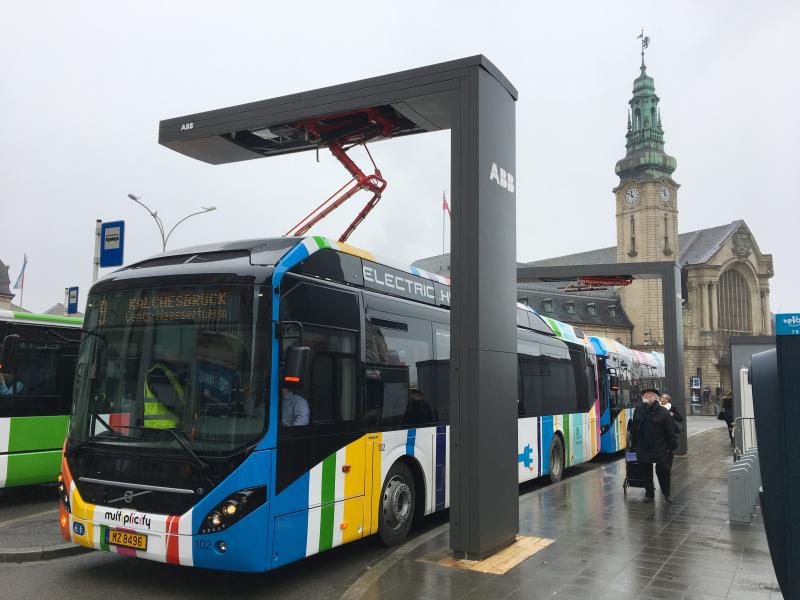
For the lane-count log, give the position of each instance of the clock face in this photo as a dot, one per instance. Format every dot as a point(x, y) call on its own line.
point(663, 193)
point(632, 196)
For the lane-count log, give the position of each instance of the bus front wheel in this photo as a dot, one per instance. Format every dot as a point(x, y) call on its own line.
point(556, 459)
point(398, 503)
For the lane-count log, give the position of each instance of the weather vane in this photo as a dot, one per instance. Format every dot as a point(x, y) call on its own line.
point(645, 43)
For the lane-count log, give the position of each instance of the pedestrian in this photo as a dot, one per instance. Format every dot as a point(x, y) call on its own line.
point(666, 402)
point(727, 413)
point(655, 437)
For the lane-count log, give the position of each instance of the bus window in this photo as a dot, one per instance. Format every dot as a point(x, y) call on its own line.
point(585, 382)
point(330, 387)
point(559, 390)
point(531, 381)
point(41, 384)
point(329, 319)
point(441, 372)
point(400, 357)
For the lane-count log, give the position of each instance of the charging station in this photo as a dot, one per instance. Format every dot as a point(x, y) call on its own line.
point(476, 102)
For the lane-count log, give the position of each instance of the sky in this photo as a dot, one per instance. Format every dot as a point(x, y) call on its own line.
point(83, 86)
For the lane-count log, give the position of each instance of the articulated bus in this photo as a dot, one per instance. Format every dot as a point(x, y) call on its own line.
point(35, 395)
point(622, 373)
point(244, 405)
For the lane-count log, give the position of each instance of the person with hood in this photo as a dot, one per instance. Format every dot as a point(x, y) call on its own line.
point(654, 436)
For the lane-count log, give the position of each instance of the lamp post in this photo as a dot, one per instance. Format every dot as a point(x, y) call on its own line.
point(161, 229)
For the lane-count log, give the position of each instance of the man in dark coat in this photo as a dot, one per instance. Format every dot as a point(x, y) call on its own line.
point(654, 436)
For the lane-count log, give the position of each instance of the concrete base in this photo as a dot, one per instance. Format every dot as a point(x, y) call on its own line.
point(499, 563)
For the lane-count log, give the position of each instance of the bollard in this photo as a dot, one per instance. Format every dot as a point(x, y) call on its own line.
point(739, 505)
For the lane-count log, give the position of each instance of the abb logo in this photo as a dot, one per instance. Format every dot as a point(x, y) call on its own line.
point(502, 178)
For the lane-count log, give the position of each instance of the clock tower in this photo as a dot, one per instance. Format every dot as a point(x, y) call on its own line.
point(647, 208)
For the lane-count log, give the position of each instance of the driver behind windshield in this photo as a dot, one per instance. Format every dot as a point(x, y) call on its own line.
point(10, 385)
point(165, 391)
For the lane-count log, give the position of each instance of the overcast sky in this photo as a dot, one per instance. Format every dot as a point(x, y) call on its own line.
point(83, 86)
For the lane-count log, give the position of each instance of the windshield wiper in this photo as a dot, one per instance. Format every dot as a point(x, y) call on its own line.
point(92, 438)
point(204, 466)
point(81, 329)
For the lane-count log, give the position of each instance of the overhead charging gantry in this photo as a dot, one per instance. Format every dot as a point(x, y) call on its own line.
point(476, 102)
point(340, 133)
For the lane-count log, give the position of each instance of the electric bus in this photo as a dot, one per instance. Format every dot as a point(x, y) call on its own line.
point(244, 405)
point(36, 380)
point(622, 374)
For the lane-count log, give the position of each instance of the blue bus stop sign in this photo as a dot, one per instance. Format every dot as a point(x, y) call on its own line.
point(112, 243)
point(72, 301)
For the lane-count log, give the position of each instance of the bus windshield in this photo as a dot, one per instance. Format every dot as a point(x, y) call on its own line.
point(173, 369)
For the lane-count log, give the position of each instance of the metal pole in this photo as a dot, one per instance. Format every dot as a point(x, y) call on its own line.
point(672, 304)
point(96, 262)
point(66, 301)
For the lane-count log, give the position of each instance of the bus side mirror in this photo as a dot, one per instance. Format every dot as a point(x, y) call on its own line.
point(8, 354)
point(297, 358)
point(613, 383)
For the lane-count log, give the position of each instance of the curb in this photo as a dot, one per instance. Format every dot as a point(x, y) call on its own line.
point(35, 553)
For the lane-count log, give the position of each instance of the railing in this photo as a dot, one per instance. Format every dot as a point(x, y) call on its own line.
point(744, 436)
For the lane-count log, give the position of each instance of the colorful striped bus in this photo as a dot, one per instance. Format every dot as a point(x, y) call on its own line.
point(35, 395)
point(241, 406)
point(622, 373)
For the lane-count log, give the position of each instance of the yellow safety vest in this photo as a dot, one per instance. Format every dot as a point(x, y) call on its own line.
point(156, 415)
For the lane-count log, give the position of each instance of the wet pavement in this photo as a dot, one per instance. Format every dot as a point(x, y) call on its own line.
point(698, 424)
point(605, 546)
point(609, 546)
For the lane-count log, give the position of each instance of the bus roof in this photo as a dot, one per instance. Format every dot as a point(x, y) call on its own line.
point(39, 319)
point(606, 345)
point(289, 252)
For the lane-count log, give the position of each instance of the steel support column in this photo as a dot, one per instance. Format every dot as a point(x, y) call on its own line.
point(484, 513)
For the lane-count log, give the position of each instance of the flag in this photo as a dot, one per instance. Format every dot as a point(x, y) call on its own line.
point(20, 283)
point(445, 205)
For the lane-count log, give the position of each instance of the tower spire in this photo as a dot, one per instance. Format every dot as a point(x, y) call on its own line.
point(645, 44)
point(644, 139)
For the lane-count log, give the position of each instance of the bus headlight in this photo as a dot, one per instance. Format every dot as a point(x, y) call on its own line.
point(235, 507)
point(63, 493)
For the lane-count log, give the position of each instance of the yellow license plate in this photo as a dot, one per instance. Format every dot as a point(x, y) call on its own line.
point(127, 539)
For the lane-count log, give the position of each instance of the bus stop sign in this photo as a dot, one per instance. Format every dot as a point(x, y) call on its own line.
point(72, 301)
point(112, 243)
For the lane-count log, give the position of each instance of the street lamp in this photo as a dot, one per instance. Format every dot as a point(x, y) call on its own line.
point(165, 235)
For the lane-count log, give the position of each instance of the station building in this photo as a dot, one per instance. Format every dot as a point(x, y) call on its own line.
point(725, 273)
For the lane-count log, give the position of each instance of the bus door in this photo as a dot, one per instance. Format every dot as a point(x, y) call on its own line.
point(321, 456)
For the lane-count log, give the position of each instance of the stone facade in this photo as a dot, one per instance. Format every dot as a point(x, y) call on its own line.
point(5, 288)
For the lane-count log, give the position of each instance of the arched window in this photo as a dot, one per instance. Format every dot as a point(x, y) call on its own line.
point(652, 116)
point(733, 296)
point(637, 119)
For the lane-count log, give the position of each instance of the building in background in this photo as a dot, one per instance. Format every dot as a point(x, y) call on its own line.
point(725, 274)
point(5, 288)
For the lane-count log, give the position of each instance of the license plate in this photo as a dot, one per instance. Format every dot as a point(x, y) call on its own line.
point(127, 539)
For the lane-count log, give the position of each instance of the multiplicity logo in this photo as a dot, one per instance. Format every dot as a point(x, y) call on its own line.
point(128, 518)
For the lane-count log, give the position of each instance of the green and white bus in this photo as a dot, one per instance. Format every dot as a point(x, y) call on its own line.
point(36, 378)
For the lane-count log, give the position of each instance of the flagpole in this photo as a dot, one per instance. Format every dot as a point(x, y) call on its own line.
point(443, 197)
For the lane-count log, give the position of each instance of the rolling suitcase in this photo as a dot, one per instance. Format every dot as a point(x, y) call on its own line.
point(634, 475)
